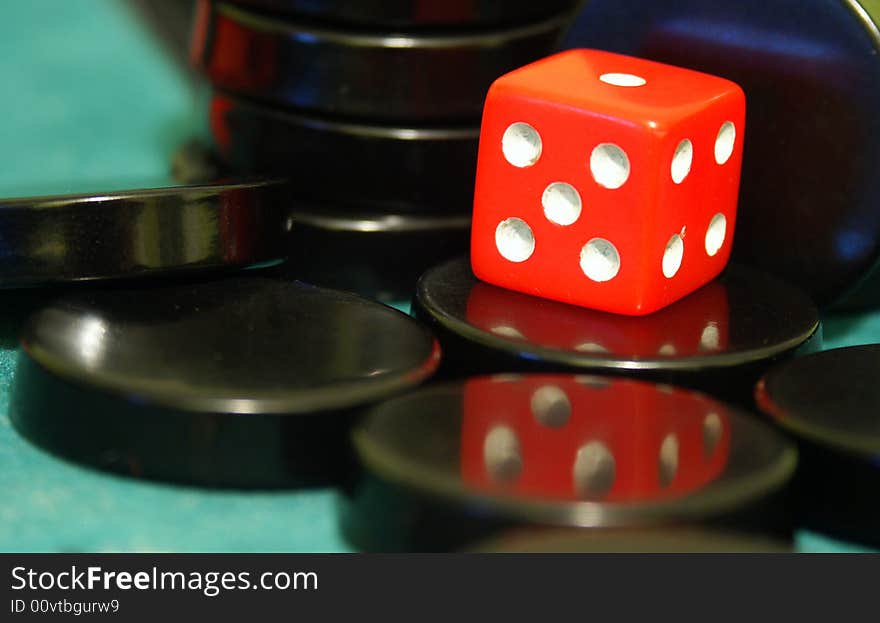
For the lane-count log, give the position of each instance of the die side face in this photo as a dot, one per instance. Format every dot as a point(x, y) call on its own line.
point(697, 191)
point(595, 196)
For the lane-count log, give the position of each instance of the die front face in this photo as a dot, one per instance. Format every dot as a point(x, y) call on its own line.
point(607, 181)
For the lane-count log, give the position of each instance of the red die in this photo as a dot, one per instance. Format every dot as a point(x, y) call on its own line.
point(607, 181)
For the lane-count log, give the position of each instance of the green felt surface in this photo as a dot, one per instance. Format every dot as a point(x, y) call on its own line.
point(92, 101)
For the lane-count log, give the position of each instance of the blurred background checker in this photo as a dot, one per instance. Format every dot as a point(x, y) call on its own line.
point(830, 402)
point(406, 168)
point(417, 14)
point(377, 255)
point(808, 208)
point(362, 74)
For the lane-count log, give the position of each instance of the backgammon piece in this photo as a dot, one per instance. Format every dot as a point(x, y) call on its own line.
point(830, 402)
point(354, 73)
point(394, 168)
point(377, 255)
point(247, 382)
point(655, 541)
point(454, 463)
point(719, 339)
point(136, 233)
point(416, 14)
point(810, 70)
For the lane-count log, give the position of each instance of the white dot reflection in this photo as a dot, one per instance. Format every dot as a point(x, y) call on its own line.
point(668, 466)
point(590, 347)
point(502, 455)
point(712, 429)
point(507, 331)
point(594, 470)
point(710, 339)
point(91, 338)
point(550, 406)
point(667, 350)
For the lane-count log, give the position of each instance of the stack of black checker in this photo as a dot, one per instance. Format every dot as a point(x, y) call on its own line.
point(371, 111)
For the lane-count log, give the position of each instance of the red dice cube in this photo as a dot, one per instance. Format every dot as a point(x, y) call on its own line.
point(607, 181)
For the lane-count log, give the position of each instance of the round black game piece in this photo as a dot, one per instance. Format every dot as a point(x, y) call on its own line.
point(416, 14)
point(132, 233)
point(830, 401)
point(377, 76)
point(380, 256)
point(240, 382)
point(809, 198)
point(720, 339)
point(454, 463)
point(392, 168)
point(654, 541)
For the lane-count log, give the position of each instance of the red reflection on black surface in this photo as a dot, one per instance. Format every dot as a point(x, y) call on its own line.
point(697, 324)
point(238, 57)
point(588, 438)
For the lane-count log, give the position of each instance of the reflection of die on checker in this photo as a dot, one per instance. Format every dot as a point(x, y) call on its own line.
point(584, 437)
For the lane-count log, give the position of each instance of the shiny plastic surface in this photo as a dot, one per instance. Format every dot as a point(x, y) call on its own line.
point(361, 166)
point(615, 149)
point(133, 233)
point(361, 74)
point(721, 338)
point(248, 382)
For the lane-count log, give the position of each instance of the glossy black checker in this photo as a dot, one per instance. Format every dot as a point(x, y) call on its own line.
point(719, 339)
point(830, 402)
point(378, 76)
point(415, 14)
point(136, 233)
point(454, 463)
point(240, 382)
point(357, 165)
point(377, 255)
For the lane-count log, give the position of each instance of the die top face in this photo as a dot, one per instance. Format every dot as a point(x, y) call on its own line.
point(614, 85)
